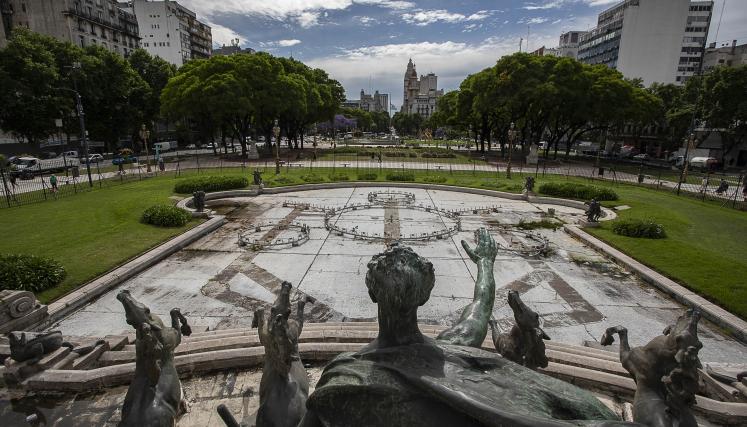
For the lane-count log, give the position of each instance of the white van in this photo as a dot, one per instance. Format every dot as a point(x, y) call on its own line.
point(69, 154)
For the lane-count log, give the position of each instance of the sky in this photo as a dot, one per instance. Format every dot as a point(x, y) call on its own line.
point(365, 44)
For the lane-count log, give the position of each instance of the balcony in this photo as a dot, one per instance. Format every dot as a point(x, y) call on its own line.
point(102, 22)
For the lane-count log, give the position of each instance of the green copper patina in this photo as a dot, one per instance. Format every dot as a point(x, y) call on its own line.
point(403, 378)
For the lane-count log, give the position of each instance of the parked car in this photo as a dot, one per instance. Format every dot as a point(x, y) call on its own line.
point(642, 156)
point(209, 145)
point(191, 147)
point(93, 158)
point(28, 167)
point(704, 163)
point(70, 154)
point(124, 160)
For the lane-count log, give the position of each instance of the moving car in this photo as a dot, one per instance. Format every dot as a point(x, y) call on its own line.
point(93, 158)
point(28, 167)
point(703, 163)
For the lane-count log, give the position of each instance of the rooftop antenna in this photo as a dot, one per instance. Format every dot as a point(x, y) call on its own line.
point(527, 38)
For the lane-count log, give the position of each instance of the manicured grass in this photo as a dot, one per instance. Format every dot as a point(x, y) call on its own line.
point(93, 232)
point(705, 248)
point(89, 233)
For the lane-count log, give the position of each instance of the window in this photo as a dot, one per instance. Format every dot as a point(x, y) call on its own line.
point(82, 41)
point(23, 7)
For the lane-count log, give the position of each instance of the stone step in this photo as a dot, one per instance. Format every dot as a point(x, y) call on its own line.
point(89, 360)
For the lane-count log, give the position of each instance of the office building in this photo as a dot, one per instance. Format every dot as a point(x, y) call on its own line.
point(171, 31)
point(657, 41)
point(81, 22)
point(375, 103)
point(420, 95)
point(568, 44)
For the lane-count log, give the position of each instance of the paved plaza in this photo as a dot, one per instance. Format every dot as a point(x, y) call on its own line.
point(219, 284)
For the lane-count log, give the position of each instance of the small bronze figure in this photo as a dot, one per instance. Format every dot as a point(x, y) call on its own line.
point(154, 398)
point(525, 343)
point(199, 200)
point(257, 177)
point(665, 371)
point(31, 347)
point(594, 211)
point(284, 387)
point(529, 184)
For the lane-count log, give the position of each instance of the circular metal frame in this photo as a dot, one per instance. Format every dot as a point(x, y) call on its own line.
point(399, 198)
point(301, 237)
point(541, 246)
point(354, 233)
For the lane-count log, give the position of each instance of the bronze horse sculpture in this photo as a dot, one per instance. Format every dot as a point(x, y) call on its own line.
point(665, 371)
point(524, 344)
point(155, 397)
point(284, 387)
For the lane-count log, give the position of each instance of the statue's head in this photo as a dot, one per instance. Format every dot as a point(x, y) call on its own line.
point(399, 279)
point(683, 337)
point(136, 313)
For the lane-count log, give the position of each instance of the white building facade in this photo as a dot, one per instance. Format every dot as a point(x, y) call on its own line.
point(657, 41)
point(420, 95)
point(171, 31)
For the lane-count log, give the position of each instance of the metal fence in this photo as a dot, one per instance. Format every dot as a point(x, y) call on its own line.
point(725, 189)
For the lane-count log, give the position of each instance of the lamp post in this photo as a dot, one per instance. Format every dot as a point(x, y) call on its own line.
point(511, 136)
point(276, 131)
point(81, 120)
point(144, 135)
point(686, 162)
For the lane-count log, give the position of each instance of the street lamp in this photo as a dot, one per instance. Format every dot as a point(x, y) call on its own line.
point(686, 162)
point(144, 135)
point(512, 133)
point(276, 130)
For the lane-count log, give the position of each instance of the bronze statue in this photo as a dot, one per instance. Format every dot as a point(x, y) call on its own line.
point(199, 200)
point(529, 184)
point(154, 397)
point(403, 378)
point(665, 371)
point(284, 387)
point(472, 326)
point(525, 343)
point(594, 211)
point(31, 347)
point(257, 177)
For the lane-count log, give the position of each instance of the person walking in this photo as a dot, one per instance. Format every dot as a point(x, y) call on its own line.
point(53, 182)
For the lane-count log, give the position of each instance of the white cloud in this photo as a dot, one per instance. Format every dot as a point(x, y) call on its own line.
point(426, 17)
point(284, 9)
point(600, 2)
point(223, 35)
point(307, 19)
point(366, 21)
point(288, 43)
point(555, 4)
point(532, 21)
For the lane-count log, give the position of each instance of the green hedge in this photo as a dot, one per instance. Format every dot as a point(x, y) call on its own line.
point(577, 191)
point(165, 216)
point(368, 176)
point(210, 183)
point(339, 177)
point(437, 179)
point(312, 178)
point(30, 273)
point(400, 176)
point(645, 228)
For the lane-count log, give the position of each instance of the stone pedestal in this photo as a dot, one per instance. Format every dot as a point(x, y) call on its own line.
point(251, 152)
point(589, 224)
point(533, 156)
point(20, 310)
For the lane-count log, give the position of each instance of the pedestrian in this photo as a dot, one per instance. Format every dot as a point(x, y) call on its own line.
point(13, 178)
point(161, 165)
point(704, 184)
point(53, 182)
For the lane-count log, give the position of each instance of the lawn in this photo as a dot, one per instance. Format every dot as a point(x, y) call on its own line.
point(92, 232)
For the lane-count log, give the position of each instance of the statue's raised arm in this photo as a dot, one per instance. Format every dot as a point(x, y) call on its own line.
point(472, 326)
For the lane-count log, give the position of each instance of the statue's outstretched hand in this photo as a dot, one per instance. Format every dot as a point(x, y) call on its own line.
point(486, 248)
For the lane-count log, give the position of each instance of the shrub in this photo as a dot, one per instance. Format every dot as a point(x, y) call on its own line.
point(577, 191)
point(338, 177)
point(646, 228)
point(438, 155)
point(368, 176)
point(283, 180)
point(533, 225)
point(503, 186)
point(30, 273)
point(165, 216)
point(438, 179)
point(312, 178)
point(210, 183)
point(400, 176)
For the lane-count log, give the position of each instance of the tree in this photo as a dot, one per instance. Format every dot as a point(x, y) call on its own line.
point(724, 106)
point(156, 73)
point(30, 100)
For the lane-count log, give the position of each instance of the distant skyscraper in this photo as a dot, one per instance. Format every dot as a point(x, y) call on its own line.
point(420, 95)
point(658, 41)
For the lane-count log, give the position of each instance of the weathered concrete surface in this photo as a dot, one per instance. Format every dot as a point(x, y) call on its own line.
point(577, 292)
